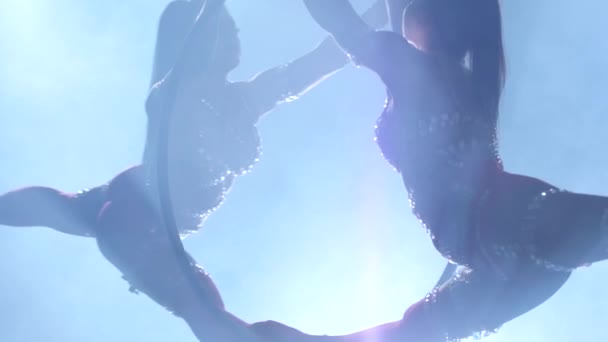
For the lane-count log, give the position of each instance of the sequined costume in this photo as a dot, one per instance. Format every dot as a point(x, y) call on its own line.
point(446, 172)
point(213, 138)
point(516, 237)
point(512, 233)
point(210, 144)
point(477, 214)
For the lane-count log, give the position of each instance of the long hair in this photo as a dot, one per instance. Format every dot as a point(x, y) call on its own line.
point(486, 56)
point(470, 29)
point(173, 27)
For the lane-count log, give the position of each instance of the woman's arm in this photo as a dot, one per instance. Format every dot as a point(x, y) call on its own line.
point(291, 80)
point(381, 51)
point(338, 17)
point(395, 9)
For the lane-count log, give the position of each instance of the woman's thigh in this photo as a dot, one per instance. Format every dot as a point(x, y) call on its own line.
point(478, 301)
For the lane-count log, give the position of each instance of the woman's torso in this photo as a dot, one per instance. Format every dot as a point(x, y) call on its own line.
point(444, 148)
point(211, 140)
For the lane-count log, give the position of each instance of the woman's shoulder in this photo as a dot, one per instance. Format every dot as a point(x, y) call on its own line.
point(396, 45)
point(396, 60)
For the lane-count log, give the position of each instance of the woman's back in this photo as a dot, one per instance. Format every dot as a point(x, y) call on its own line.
point(430, 118)
point(433, 132)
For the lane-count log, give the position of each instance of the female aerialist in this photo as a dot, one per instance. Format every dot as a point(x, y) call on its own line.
point(76, 213)
point(213, 139)
point(517, 238)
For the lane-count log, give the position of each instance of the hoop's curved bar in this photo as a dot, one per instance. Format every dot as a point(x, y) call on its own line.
point(164, 193)
point(164, 186)
point(166, 205)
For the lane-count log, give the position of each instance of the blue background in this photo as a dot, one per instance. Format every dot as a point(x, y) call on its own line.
point(319, 235)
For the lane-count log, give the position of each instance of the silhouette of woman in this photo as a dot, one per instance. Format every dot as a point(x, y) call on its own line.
point(516, 238)
point(212, 140)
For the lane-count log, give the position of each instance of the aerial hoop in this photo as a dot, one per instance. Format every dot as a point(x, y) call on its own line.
point(164, 186)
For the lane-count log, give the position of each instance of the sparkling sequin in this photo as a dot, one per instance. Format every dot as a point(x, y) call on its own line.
point(209, 145)
point(530, 227)
point(443, 159)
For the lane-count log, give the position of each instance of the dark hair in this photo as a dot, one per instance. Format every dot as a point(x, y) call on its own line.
point(479, 38)
point(486, 54)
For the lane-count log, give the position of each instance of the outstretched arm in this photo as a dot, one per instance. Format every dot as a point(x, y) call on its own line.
point(286, 82)
point(381, 51)
point(338, 17)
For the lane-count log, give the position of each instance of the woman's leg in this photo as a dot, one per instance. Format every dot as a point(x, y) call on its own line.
point(472, 303)
point(68, 213)
point(475, 302)
point(507, 281)
point(130, 237)
point(569, 229)
point(558, 229)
